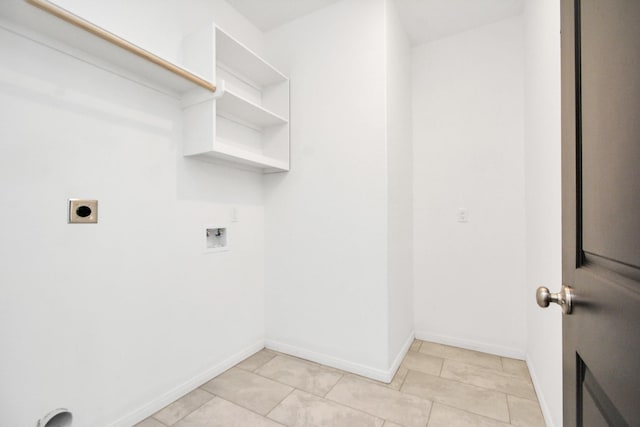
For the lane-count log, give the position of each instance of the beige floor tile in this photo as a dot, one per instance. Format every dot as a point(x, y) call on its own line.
point(183, 406)
point(488, 378)
point(462, 355)
point(297, 373)
point(150, 422)
point(424, 363)
point(470, 398)
point(302, 409)
point(444, 416)
point(221, 413)
point(391, 424)
point(415, 345)
point(257, 360)
point(515, 367)
point(248, 390)
point(525, 413)
point(381, 401)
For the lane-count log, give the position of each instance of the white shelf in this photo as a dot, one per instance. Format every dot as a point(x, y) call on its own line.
point(225, 150)
point(234, 106)
point(233, 55)
point(246, 120)
point(77, 37)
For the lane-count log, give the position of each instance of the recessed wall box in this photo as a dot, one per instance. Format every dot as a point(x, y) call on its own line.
point(216, 239)
point(83, 211)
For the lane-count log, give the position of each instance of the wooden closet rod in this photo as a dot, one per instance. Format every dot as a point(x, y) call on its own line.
point(120, 42)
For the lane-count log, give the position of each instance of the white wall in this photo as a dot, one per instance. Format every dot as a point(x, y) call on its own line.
point(326, 220)
point(400, 187)
point(115, 320)
point(543, 200)
point(469, 153)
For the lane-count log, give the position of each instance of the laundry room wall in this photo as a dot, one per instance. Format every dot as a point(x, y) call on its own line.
point(468, 144)
point(117, 319)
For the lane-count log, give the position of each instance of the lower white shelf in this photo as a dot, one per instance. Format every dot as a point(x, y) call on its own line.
point(229, 152)
point(235, 106)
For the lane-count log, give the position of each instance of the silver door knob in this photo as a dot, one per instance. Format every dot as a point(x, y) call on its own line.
point(564, 298)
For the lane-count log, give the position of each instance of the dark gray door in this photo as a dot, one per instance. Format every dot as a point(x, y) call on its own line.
point(601, 211)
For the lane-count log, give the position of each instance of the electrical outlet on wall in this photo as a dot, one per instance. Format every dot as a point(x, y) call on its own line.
point(463, 215)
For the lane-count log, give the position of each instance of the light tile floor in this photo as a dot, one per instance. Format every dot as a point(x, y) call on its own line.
point(436, 386)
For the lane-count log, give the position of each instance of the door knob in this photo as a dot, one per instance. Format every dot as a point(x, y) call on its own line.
point(564, 298)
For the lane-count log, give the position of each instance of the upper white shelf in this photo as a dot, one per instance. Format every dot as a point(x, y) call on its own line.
point(51, 25)
point(234, 55)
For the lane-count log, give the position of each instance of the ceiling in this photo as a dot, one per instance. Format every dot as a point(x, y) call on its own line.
point(427, 20)
point(424, 20)
point(269, 14)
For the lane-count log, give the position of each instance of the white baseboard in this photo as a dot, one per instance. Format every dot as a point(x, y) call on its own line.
point(334, 362)
point(156, 404)
point(498, 350)
point(400, 357)
point(546, 413)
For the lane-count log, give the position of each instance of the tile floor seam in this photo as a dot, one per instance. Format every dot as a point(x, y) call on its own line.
point(280, 402)
point(269, 379)
point(506, 397)
point(511, 374)
point(331, 401)
point(250, 410)
point(333, 386)
point(474, 414)
point(508, 374)
point(438, 401)
point(377, 416)
point(181, 397)
point(459, 382)
point(490, 388)
point(213, 396)
point(430, 412)
point(294, 387)
point(271, 359)
point(356, 409)
point(525, 398)
point(403, 381)
point(384, 420)
point(353, 408)
point(263, 349)
point(154, 414)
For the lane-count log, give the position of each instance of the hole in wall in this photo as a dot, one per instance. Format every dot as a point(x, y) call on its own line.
point(57, 418)
point(83, 211)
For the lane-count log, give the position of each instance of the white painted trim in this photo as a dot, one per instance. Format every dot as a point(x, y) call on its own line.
point(546, 413)
point(400, 357)
point(177, 392)
point(334, 362)
point(498, 350)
